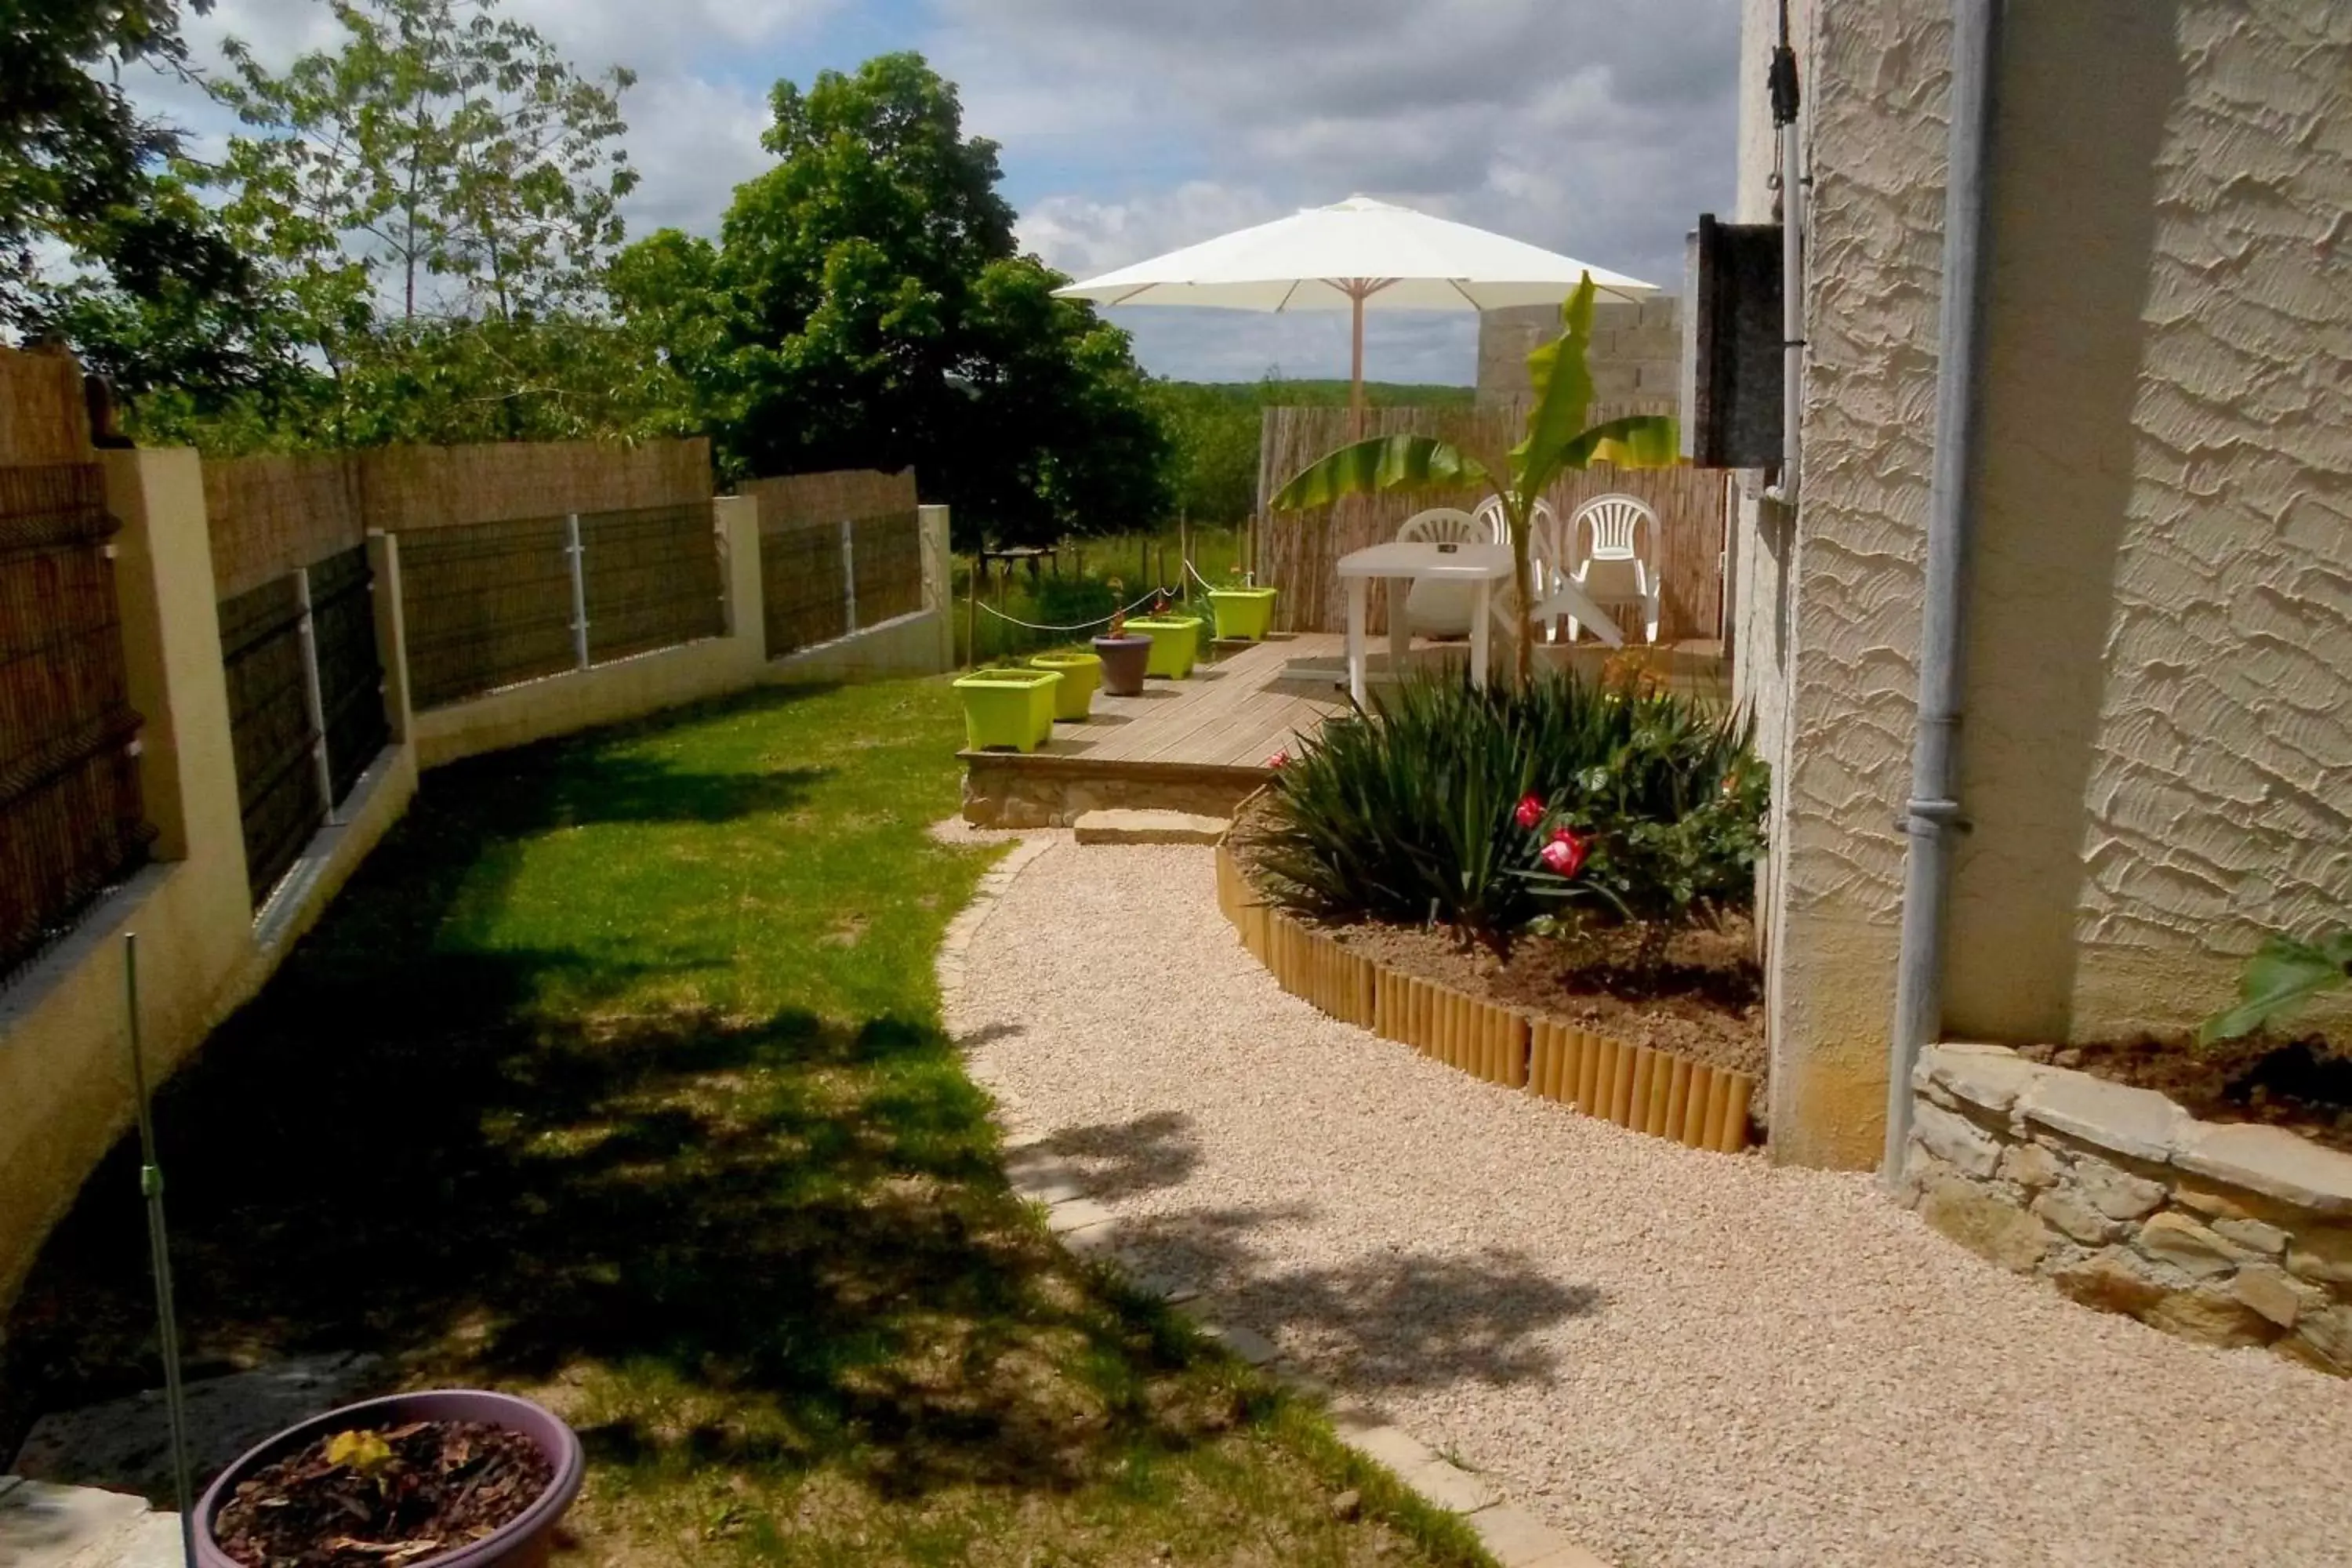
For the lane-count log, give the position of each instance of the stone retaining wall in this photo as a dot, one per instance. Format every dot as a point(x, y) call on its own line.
point(1004, 789)
point(2228, 1234)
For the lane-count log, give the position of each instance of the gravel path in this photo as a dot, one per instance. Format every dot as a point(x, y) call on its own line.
point(1676, 1357)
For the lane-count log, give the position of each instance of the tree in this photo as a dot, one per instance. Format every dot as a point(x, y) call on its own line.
point(1556, 441)
point(867, 305)
point(436, 202)
point(149, 288)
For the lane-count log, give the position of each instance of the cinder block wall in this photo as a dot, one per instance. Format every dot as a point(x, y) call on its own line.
point(1636, 354)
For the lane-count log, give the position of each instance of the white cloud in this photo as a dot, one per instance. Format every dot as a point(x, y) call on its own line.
point(1601, 128)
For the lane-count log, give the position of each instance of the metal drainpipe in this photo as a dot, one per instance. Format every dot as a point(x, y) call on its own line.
point(1932, 815)
point(1785, 103)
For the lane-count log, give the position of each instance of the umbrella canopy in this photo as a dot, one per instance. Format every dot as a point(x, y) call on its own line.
point(1351, 256)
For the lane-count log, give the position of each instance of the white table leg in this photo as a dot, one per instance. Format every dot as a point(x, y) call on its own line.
point(1482, 631)
point(1400, 628)
point(1358, 595)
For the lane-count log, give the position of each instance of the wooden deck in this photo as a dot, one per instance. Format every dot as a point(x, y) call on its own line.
point(1200, 744)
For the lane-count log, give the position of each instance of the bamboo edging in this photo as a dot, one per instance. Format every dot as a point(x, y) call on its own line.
point(1639, 1087)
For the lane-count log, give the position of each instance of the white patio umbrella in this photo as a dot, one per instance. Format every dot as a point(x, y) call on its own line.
point(1349, 255)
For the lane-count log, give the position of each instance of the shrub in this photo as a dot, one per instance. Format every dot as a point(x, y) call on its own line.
point(1435, 805)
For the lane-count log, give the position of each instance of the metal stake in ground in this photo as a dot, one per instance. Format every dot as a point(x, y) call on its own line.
point(159, 1248)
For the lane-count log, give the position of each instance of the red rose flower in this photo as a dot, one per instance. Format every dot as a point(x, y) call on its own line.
point(1279, 760)
point(1530, 812)
point(1564, 852)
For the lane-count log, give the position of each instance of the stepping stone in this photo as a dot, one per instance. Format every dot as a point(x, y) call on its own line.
point(126, 1443)
point(46, 1526)
point(1149, 828)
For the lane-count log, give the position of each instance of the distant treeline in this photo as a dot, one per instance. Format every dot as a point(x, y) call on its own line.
point(1215, 426)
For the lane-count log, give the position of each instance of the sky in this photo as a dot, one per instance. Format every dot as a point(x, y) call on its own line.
point(1600, 128)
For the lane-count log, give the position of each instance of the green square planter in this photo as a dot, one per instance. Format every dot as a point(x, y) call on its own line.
point(1243, 615)
point(1081, 674)
point(1175, 643)
point(1008, 708)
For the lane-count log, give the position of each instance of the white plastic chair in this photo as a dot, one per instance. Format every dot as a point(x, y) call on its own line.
point(1441, 609)
point(1616, 568)
point(1548, 558)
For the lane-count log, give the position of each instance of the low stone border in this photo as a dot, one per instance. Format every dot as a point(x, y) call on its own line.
point(1512, 1536)
point(1637, 1087)
point(2231, 1234)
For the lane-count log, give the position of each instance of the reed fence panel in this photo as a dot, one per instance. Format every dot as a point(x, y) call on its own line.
point(887, 558)
point(351, 671)
point(70, 815)
point(486, 605)
point(1299, 552)
point(801, 575)
point(278, 800)
point(830, 497)
point(652, 579)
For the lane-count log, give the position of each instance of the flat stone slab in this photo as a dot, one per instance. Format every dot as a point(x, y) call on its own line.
point(1989, 1075)
point(1149, 828)
point(2138, 1123)
point(43, 1525)
point(125, 1443)
point(2271, 1161)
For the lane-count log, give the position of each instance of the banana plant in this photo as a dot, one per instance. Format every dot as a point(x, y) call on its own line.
point(1556, 441)
point(2283, 974)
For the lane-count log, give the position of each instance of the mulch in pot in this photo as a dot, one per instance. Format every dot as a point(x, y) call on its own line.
point(425, 1487)
point(2299, 1085)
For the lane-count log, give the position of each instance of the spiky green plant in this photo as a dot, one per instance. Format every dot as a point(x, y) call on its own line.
point(1408, 811)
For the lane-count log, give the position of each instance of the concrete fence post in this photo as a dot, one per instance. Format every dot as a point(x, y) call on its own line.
point(939, 577)
point(575, 555)
point(743, 591)
point(314, 702)
point(172, 657)
point(391, 632)
point(849, 572)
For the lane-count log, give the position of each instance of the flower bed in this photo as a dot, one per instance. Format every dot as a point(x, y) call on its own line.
point(1640, 1087)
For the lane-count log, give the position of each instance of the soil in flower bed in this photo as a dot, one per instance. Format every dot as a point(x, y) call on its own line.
point(431, 1487)
point(2299, 1085)
point(1706, 1002)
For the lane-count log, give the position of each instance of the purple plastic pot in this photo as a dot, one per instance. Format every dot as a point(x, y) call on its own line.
point(521, 1543)
point(1124, 659)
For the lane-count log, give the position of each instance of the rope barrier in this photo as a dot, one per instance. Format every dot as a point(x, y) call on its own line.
point(1080, 625)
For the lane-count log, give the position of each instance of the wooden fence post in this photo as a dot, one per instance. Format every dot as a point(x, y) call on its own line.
point(572, 549)
point(314, 704)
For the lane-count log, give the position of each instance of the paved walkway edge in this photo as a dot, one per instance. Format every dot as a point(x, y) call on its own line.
point(1513, 1535)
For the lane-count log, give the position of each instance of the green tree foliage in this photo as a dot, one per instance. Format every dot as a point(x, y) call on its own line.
point(434, 204)
point(150, 288)
point(1215, 428)
point(866, 305)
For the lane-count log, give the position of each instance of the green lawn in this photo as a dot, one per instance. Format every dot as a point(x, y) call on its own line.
point(617, 1078)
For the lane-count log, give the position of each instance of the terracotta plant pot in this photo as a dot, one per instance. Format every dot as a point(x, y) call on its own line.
point(1124, 660)
point(521, 1543)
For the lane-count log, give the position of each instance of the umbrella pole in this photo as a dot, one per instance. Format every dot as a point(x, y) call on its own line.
point(1356, 375)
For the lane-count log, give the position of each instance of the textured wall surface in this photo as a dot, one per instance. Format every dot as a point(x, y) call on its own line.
point(1636, 355)
point(2156, 755)
point(1875, 80)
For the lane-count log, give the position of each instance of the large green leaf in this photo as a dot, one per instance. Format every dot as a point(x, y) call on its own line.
point(1636, 441)
point(1382, 463)
point(2282, 973)
point(1563, 395)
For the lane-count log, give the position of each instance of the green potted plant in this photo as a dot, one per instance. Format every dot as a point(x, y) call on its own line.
point(1081, 673)
point(1008, 708)
point(1175, 640)
point(1242, 611)
point(1126, 654)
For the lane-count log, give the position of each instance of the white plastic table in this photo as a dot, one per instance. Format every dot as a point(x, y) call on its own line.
point(1483, 565)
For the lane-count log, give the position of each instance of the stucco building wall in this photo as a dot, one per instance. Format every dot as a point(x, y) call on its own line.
point(2156, 753)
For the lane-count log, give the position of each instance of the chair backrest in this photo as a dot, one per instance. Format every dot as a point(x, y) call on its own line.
point(1443, 525)
point(1547, 542)
point(1616, 523)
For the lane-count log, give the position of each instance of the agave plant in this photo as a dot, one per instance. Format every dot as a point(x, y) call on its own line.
point(1556, 441)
